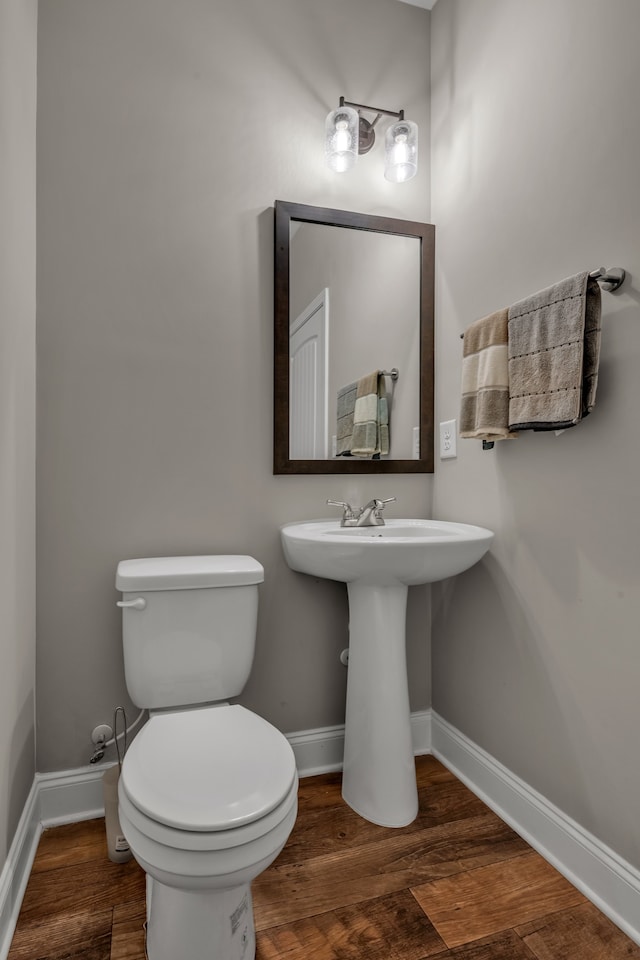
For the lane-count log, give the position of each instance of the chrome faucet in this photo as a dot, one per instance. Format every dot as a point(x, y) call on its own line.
point(368, 516)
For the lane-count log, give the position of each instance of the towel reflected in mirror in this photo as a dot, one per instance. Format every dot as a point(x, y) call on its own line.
point(363, 418)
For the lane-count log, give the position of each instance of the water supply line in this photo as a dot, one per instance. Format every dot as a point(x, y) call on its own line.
point(117, 711)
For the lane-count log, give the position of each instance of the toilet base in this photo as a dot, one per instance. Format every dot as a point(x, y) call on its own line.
point(199, 925)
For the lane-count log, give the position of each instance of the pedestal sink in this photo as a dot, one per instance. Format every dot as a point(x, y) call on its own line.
point(378, 564)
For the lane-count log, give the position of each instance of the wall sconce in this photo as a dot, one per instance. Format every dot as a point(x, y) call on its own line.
point(348, 134)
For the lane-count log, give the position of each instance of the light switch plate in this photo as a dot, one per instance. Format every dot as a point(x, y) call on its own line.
point(415, 451)
point(448, 447)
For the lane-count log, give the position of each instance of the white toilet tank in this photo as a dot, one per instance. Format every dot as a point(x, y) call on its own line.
point(188, 627)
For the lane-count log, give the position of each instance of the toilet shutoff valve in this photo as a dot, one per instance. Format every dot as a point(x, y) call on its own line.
point(99, 737)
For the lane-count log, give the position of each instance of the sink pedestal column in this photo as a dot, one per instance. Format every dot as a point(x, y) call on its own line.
point(378, 778)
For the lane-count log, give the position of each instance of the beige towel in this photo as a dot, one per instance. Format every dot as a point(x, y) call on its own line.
point(484, 410)
point(371, 418)
point(554, 352)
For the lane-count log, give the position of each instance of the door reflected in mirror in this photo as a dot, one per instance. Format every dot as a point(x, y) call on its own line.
point(353, 304)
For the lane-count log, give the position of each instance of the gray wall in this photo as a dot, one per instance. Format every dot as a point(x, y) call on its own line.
point(165, 133)
point(536, 153)
point(18, 25)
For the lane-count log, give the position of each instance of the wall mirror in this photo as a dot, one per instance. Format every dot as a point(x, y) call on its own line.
point(353, 295)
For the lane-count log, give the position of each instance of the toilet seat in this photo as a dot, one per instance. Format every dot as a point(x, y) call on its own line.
point(208, 770)
point(199, 841)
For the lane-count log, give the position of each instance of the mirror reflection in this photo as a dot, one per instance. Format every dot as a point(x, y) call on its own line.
point(354, 311)
point(353, 343)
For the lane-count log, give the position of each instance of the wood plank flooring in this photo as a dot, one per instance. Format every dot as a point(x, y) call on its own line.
point(457, 884)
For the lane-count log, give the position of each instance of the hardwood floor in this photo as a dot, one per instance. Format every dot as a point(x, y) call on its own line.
point(457, 884)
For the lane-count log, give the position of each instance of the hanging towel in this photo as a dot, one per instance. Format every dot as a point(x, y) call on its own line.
point(371, 418)
point(554, 352)
point(484, 409)
point(346, 408)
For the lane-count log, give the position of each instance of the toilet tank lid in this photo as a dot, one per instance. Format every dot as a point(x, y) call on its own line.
point(187, 573)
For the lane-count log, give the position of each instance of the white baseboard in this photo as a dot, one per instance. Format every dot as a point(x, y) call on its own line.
point(15, 873)
point(605, 878)
point(611, 883)
point(71, 796)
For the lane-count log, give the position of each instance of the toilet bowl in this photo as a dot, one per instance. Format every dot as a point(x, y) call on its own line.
point(208, 791)
point(207, 800)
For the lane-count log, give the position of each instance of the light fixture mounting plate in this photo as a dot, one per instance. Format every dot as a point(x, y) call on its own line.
point(366, 136)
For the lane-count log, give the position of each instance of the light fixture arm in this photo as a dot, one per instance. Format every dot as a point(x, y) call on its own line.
point(399, 114)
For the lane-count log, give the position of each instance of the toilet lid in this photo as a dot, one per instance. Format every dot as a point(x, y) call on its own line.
point(209, 769)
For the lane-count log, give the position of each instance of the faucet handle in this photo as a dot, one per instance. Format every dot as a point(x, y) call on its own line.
point(347, 509)
point(379, 507)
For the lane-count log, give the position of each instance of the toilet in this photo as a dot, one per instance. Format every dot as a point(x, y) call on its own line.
point(208, 789)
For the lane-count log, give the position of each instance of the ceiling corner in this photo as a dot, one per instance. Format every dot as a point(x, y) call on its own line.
point(425, 4)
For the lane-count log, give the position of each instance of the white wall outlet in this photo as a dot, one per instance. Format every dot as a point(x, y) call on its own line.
point(448, 447)
point(416, 443)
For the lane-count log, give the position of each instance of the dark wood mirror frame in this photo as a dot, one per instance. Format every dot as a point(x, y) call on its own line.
point(285, 213)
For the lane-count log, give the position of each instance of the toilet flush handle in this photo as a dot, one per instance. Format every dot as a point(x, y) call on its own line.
point(138, 604)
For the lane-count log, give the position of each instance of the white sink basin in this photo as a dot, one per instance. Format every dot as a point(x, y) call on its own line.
point(378, 564)
point(401, 551)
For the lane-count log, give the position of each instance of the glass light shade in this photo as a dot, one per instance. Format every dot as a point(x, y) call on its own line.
point(401, 151)
point(341, 139)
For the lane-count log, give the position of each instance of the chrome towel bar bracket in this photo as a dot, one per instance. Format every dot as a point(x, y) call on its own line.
point(610, 279)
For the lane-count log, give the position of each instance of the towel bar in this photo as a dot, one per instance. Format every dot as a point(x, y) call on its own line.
point(394, 373)
point(609, 279)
